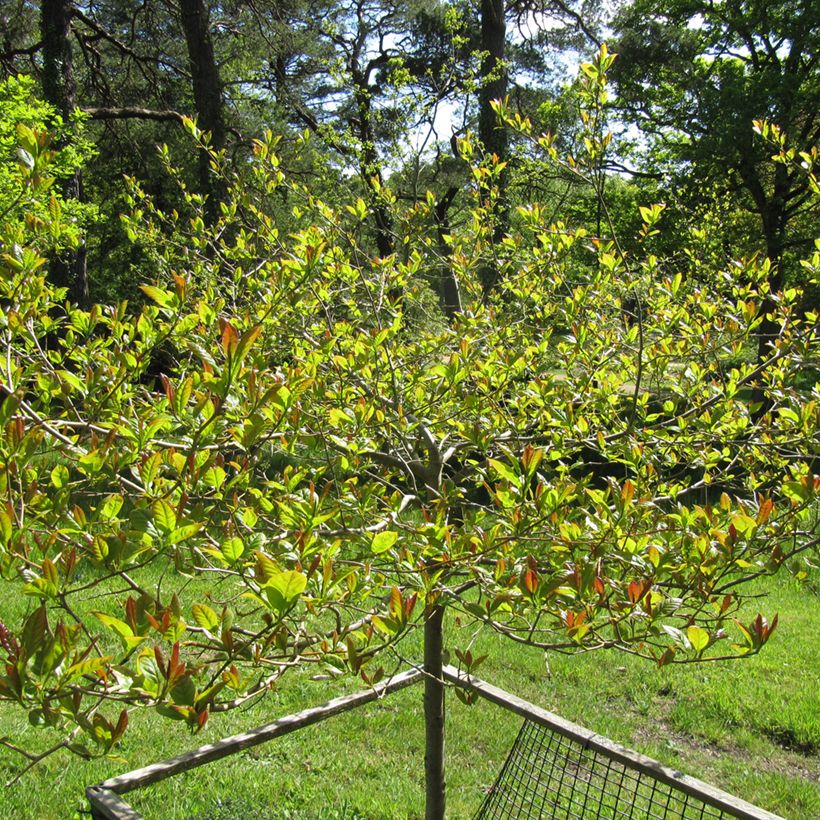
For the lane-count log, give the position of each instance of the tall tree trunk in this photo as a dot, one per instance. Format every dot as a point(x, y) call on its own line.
point(370, 164)
point(494, 76)
point(775, 237)
point(435, 785)
point(59, 89)
point(774, 232)
point(449, 294)
point(208, 99)
point(492, 135)
point(771, 208)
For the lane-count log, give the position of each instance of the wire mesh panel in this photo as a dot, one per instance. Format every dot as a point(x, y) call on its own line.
point(547, 775)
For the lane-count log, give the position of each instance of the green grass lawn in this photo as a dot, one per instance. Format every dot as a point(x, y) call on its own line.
point(751, 727)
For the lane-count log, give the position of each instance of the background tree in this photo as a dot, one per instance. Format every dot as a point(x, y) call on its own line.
point(354, 73)
point(550, 27)
point(695, 77)
point(136, 72)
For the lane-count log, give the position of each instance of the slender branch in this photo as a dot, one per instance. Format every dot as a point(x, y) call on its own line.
point(34, 759)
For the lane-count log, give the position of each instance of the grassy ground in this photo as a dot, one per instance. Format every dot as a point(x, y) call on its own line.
point(751, 727)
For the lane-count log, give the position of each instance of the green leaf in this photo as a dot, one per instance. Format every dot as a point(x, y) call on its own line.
point(91, 463)
point(183, 533)
point(164, 516)
point(161, 297)
point(265, 567)
point(5, 528)
point(233, 548)
point(114, 624)
point(183, 692)
point(338, 418)
point(171, 712)
point(205, 617)
point(8, 407)
point(283, 588)
point(246, 342)
point(99, 549)
point(281, 397)
point(41, 588)
point(151, 467)
point(698, 637)
point(60, 476)
point(503, 470)
point(290, 584)
point(72, 380)
point(110, 507)
point(383, 541)
point(214, 477)
point(386, 626)
point(744, 524)
point(796, 491)
point(86, 667)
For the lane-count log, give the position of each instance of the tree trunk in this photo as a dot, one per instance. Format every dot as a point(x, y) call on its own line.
point(370, 165)
point(59, 89)
point(58, 66)
point(492, 135)
point(774, 253)
point(434, 715)
point(494, 76)
point(208, 100)
point(774, 231)
point(449, 293)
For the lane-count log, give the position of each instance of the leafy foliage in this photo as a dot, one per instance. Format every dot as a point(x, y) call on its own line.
point(313, 462)
point(32, 159)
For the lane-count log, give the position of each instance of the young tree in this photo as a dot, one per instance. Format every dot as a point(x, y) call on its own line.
point(328, 468)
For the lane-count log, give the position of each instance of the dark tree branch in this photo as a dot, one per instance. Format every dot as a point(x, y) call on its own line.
point(133, 114)
point(104, 34)
point(524, 7)
point(11, 53)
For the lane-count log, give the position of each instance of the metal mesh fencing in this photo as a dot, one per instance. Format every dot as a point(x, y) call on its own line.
point(547, 775)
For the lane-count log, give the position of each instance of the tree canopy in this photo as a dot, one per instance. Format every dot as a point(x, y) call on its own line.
point(697, 75)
